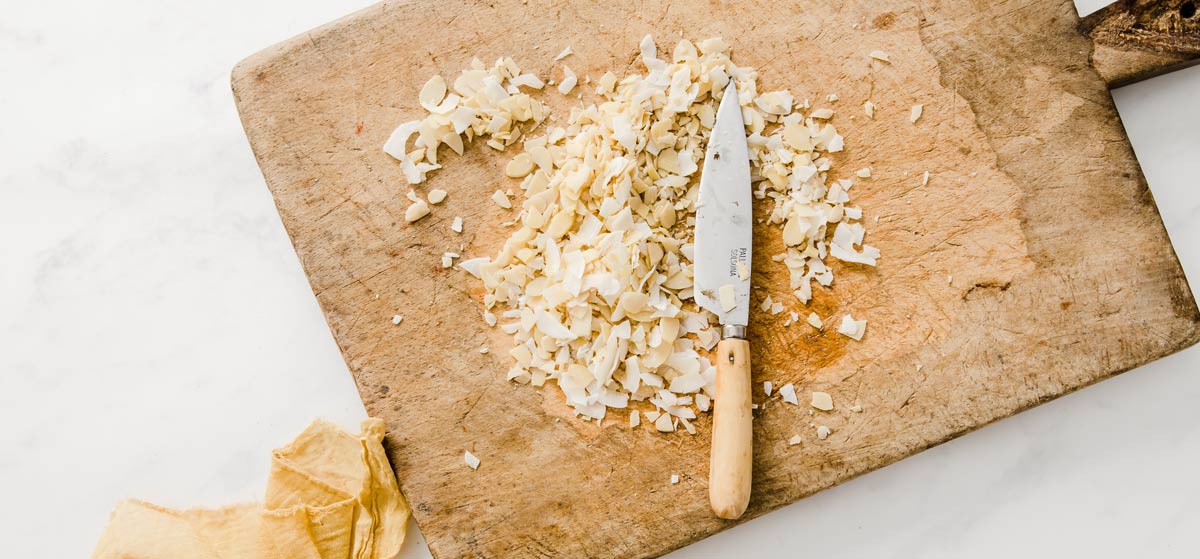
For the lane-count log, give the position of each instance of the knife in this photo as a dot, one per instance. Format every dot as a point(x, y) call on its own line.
point(722, 285)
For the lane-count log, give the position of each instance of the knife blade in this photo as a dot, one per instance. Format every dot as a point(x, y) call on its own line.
point(724, 232)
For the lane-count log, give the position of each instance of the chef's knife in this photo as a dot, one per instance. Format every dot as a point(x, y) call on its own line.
point(722, 285)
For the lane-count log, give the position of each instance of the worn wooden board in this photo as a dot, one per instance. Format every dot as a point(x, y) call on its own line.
point(1034, 262)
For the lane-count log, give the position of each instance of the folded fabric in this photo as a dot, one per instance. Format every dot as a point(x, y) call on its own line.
point(330, 495)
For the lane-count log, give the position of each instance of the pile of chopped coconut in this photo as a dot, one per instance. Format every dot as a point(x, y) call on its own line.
point(594, 284)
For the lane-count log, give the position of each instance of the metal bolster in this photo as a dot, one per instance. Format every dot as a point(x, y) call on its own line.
point(733, 331)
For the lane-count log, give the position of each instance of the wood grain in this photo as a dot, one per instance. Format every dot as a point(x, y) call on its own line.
point(1033, 263)
point(1140, 39)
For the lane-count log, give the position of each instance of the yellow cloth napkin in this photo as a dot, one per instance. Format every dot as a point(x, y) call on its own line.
point(330, 495)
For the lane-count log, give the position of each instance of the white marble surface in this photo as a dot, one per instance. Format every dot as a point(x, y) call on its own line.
point(157, 336)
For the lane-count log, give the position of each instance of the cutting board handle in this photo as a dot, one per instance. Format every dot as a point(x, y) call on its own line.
point(1138, 39)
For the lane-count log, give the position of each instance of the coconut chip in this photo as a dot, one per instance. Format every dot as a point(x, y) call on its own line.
point(397, 319)
point(852, 328)
point(822, 401)
point(788, 393)
point(470, 459)
point(565, 53)
point(456, 225)
point(436, 196)
point(823, 432)
point(915, 114)
point(880, 56)
point(795, 440)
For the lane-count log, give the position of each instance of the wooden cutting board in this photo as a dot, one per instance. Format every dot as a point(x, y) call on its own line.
point(1032, 264)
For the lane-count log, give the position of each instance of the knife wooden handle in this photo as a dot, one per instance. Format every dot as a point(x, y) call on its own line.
point(732, 456)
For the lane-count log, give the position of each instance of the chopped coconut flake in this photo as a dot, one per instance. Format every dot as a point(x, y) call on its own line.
point(869, 108)
point(767, 388)
point(822, 401)
point(396, 319)
point(456, 225)
point(925, 178)
point(743, 271)
point(915, 113)
point(416, 211)
point(565, 53)
point(788, 393)
point(852, 328)
point(437, 196)
point(795, 440)
point(814, 320)
point(857, 407)
point(864, 173)
point(635, 418)
point(674, 479)
point(823, 432)
point(569, 80)
point(728, 296)
point(501, 199)
point(470, 459)
point(880, 56)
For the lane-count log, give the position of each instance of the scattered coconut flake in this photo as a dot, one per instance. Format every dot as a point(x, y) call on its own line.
point(852, 328)
point(456, 225)
point(635, 418)
point(823, 432)
point(484, 349)
point(743, 271)
point(569, 80)
point(674, 479)
point(916, 113)
point(832, 97)
point(767, 387)
point(481, 102)
point(795, 440)
point(822, 114)
point(728, 296)
point(864, 173)
point(448, 259)
point(501, 199)
point(857, 407)
point(664, 423)
point(416, 211)
point(565, 53)
point(880, 56)
point(766, 304)
point(869, 108)
point(471, 460)
point(814, 320)
point(822, 401)
point(776, 307)
point(925, 178)
point(396, 319)
point(788, 393)
point(437, 196)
